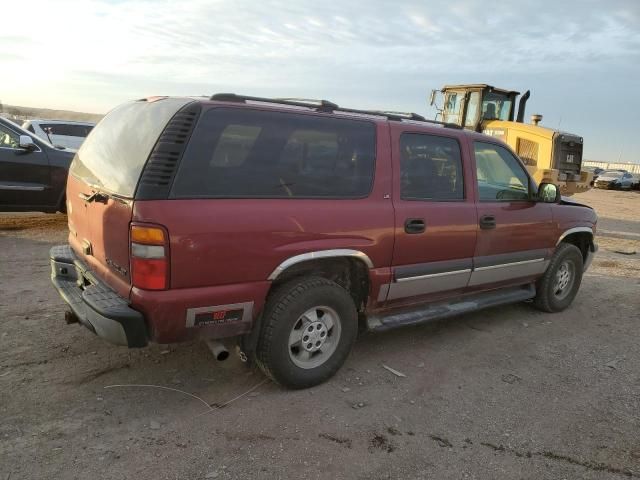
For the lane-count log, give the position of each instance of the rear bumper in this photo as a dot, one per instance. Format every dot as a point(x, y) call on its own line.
point(96, 306)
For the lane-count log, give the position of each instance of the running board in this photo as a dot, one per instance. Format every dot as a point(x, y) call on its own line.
point(439, 310)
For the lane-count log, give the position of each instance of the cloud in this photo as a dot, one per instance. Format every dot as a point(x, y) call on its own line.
point(92, 54)
point(204, 38)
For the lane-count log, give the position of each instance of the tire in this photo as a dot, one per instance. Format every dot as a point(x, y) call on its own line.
point(312, 310)
point(62, 208)
point(561, 281)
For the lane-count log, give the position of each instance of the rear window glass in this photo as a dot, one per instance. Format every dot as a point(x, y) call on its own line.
point(66, 129)
point(114, 153)
point(430, 168)
point(242, 153)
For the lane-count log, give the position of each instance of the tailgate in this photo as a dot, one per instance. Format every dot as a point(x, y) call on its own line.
point(99, 234)
point(110, 163)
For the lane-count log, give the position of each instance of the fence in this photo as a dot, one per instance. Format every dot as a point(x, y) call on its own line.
point(630, 167)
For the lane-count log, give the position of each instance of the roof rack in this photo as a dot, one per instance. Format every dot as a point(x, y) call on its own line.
point(416, 118)
point(329, 107)
point(310, 102)
point(319, 105)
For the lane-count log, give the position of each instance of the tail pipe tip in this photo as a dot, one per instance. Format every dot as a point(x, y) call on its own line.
point(522, 105)
point(219, 351)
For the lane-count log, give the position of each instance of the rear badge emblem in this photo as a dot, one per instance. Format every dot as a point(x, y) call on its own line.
point(116, 267)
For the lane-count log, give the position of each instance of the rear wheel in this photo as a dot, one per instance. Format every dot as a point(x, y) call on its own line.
point(560, 283)
point(309, 327)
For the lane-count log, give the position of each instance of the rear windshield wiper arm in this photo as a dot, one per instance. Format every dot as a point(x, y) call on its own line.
point(96, 196)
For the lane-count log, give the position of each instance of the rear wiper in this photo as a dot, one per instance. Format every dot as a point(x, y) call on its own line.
point(96, 196)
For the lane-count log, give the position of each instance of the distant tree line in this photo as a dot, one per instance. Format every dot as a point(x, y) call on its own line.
point(25, 113)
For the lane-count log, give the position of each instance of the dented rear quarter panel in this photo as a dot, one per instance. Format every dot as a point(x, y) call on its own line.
point(222, 251)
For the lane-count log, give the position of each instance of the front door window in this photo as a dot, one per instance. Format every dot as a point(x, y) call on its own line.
point(8, 139)
point(500, 176)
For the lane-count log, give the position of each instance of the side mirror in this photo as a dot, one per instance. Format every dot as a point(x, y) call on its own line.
point(26, 143)
point(432, 97)
point(548, 193)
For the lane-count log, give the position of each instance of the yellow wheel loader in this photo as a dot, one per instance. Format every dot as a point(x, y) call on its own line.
point(550, 155)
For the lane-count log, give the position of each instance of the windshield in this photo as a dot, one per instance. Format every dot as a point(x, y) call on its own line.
point(114, 153)
point(453, 107)
point(496, 106)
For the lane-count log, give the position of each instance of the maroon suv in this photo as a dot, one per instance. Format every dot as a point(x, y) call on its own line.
point(289, 224)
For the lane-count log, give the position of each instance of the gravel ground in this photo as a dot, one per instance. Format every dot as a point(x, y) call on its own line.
point(504, 393)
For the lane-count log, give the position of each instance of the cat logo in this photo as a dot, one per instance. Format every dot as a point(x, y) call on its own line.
point(499, 133)
point(570, 158)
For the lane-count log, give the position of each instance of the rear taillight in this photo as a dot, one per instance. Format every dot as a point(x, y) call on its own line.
point(149, 257)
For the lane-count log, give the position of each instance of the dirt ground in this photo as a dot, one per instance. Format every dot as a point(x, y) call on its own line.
point(504, 393)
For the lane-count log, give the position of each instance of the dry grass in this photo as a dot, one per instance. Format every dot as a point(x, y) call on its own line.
point(32, 222)
point(46, 113)
point(620, 205)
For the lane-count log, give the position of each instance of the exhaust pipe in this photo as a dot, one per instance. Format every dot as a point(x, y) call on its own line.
point(536, 118)
point(521, 106)
point(218, 349)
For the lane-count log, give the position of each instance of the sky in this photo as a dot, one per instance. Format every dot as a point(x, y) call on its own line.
point(579, 58)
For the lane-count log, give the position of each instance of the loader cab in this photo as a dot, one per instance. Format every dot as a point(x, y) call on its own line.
point(470, 105)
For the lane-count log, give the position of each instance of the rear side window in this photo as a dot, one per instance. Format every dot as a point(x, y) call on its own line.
point(236, 141)
point(114, 153)
point(430, 168)
point(243, 153)
point(66, 129)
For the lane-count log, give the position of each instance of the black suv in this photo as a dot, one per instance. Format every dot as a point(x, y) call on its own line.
point(33, 173)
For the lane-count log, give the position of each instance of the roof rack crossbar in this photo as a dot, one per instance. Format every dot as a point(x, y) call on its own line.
point(311, 102)
point(444, 124)
point(322, 105)
point(329, 107)
point(404, 115)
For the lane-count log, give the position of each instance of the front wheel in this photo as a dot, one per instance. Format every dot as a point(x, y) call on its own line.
point(309, 327)
point(62, 207)
point(560, 283)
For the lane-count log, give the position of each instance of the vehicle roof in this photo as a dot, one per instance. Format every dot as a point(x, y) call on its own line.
point(60, 122)
point(479, 85)
point(9, 122)
point(375, 116)
point(13, 125)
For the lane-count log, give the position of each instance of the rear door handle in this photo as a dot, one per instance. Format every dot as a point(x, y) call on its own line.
point(414, 225)
point(487, 222)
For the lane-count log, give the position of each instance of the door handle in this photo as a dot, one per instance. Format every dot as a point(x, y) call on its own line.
point(487, 222)
point(414, 225)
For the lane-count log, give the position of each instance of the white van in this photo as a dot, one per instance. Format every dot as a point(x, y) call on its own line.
point(64, 133)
